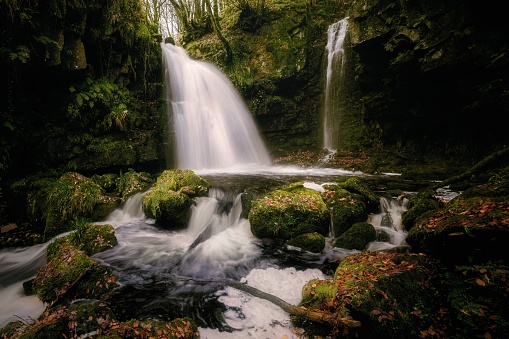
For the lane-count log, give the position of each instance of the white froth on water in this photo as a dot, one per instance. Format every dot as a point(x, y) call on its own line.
point(252, 317)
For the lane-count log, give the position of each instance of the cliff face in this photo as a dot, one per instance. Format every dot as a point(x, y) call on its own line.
point(423, 76)
point(80, 83)
point(430, 75)
point(278, 49)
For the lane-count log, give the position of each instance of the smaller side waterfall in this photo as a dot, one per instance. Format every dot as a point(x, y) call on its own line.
point(334, 81)
point(388, 224)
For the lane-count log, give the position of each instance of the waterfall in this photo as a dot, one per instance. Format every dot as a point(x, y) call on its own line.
point(212, 126)
point(388, 224)
point(332, 105)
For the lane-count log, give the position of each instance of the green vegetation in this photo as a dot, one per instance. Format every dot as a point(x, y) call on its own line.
point(356, 237)
point(311, 242)
point(170, 199)
point(288, 212)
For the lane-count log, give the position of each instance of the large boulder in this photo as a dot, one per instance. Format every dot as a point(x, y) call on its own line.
point(310, 242)
point(288, 212)
point(466, 230)
point(356, 237)
point(392, 295)
point(169, 201)
point(346, 208)
point(70, 274)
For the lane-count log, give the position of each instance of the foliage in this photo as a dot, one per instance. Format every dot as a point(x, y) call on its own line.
point(103, 103)
point(70, 197)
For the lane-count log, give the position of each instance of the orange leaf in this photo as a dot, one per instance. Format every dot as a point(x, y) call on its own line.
point(480, 282)
point(376, 312)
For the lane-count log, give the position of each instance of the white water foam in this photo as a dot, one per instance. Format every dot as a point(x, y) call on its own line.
point(252, 317)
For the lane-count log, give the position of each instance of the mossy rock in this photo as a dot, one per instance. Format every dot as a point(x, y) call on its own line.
point(356, 237)
point(180, 328)
point(71, 196)
point(88, 237)
point(132, 182)
point(170, 199)
point(70, 322)
point(346, 208)
point(478, 299)
point(108, 181)
point(311, 242)
point(418, 204)
point(368, 196)
point(392, 295)
point(71, 274)
point(466, 230)
point(289, 212)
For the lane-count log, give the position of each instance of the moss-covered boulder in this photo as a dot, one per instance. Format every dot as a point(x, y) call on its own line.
point(466, 230)
point(392, 295)
point(417, 205)
point(132, 182)
point(311, 242)
point(87, 237)
point(289, 212)
point(356, 237)
point(71, 196)
point(71, 274)
point(359, 186)
point(346, 208)
point(67, 321)
point(84, 319)
point(170, 199)
point(180, 328)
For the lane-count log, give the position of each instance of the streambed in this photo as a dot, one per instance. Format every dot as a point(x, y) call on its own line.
point(168, 274)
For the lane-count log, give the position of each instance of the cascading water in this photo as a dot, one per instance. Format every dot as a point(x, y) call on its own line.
point(334, 81)
point(388, 224)
point(213, 127)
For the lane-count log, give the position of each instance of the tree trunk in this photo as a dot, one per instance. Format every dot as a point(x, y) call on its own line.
point(320, 317)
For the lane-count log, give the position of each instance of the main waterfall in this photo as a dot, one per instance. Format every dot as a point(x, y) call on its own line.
point(332, 105)
point(212, 125)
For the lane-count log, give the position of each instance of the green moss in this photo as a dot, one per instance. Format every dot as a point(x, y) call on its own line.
point(66, 269)
point(418, 204)
point(289, 212)
point(359, 186)
point(86, 237)
point(180, 328)
point(465, 230)
point(70, 197)
point(170, 200)
point(356, 237)
point(345, 207)
point(392, 295)
point(132, 182)
point(311, 242)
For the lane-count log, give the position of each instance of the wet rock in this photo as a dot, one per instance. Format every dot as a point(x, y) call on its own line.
point(289, 212)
